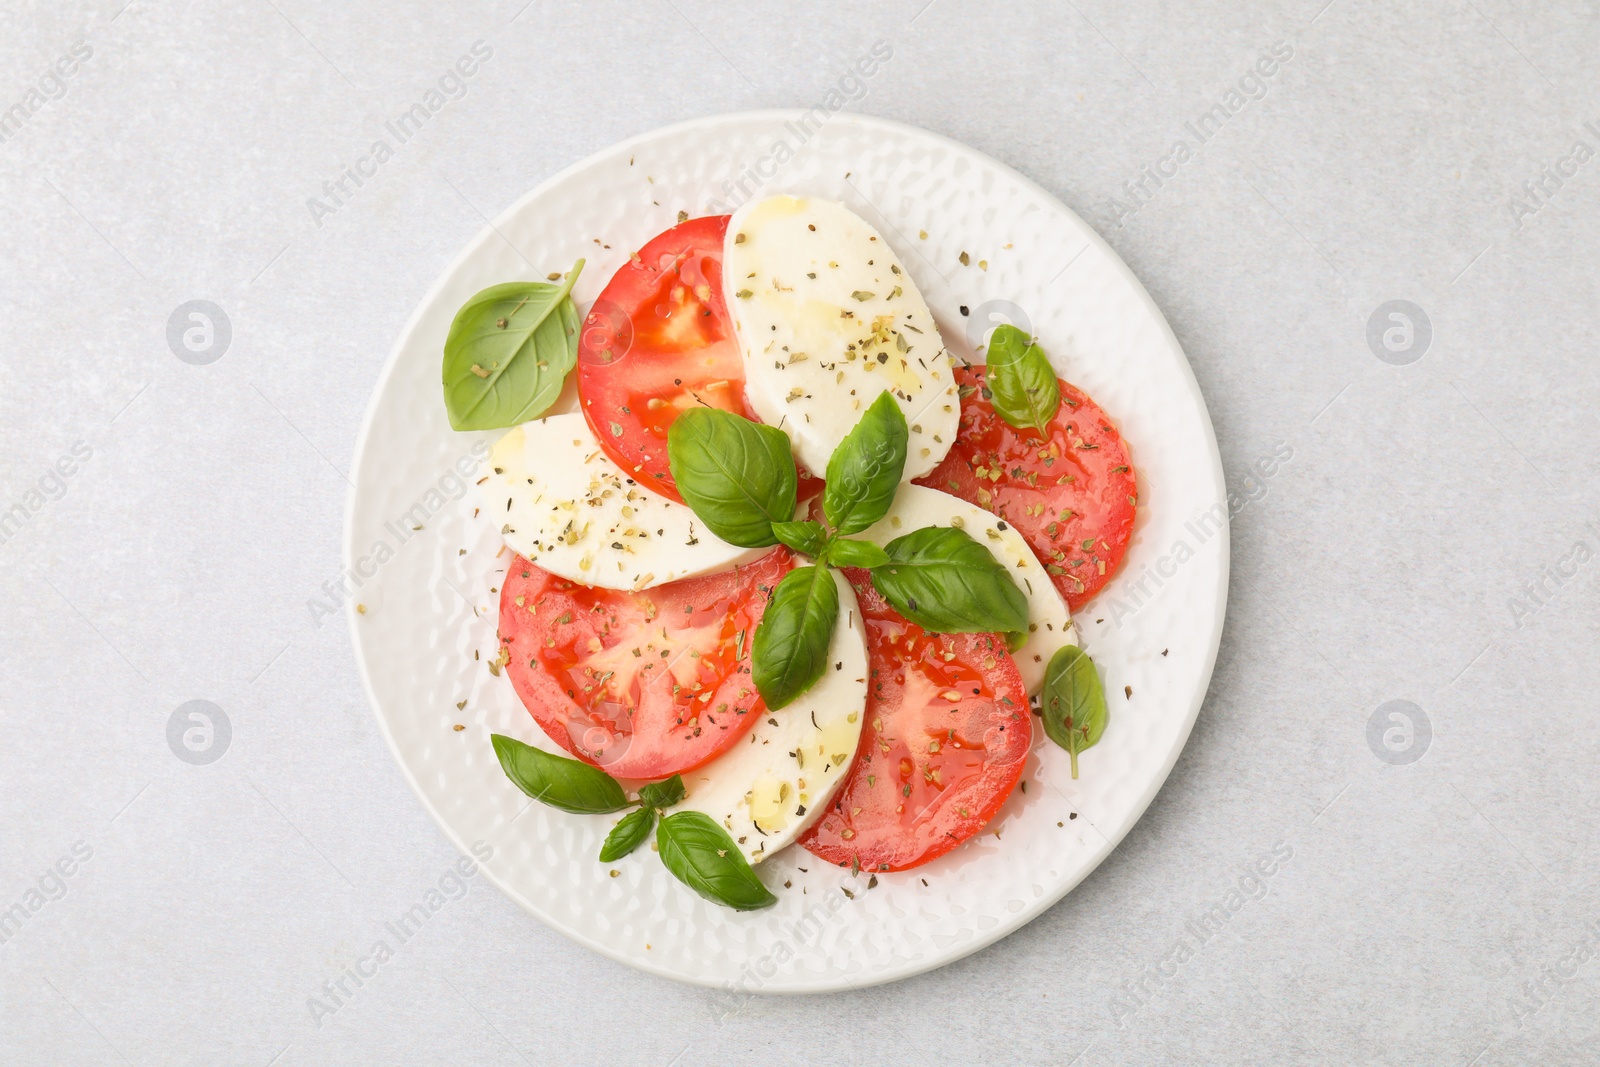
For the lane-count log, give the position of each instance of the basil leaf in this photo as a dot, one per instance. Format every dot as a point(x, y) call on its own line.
point(629, 833)
point(1021, 382)
point(737, 475)
point(1073, 702)
point(560, 782)
point(807, 538)
point(790, 650)
point(864, 471)
point(944, 581)
point(842, 553)
point(662, 794)
point(702, 856)
point(508, 352)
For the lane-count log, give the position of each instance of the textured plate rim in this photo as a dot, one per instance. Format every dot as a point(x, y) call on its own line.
point(839, 982)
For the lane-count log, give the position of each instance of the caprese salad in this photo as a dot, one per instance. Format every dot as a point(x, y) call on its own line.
point(791, 573)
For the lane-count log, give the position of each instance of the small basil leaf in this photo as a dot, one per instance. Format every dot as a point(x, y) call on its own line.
point(864, 471)
point(508, 352)
point(702, 856)
point(842, 553)
point(662, 794)
point(1015, 640)
point(1021, 382)
point(806, 538)
point(790, 650)
point(1073, 702)
point(555, 780)
point(737, 475)
point(630, 832)
point(944, 581)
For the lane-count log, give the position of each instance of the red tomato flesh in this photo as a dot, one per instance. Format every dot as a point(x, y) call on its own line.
point(946, 734)
point(642, 685)
point(1072, 495)
point(657, 342)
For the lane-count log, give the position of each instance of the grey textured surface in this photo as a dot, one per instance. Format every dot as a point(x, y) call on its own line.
point(1432, 912)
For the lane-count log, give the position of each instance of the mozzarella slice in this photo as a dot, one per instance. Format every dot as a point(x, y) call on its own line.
point(767, 789)
point(563, 504)
point(828, 319)
point(1049, 624)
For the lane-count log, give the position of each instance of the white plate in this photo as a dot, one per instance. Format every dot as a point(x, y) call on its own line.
point(429, 608)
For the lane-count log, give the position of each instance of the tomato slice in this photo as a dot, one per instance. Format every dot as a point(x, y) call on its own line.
point(657, 342)
point(946, 734)
point(1072, 497)
point(643, 685)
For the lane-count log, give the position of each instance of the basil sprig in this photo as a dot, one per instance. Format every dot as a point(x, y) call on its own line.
point(633, 829)
point(864, 471)
point(790, 650)
point(943, 580)
point(508, 352)
point(1073, 702)
point(697, 851)
point(568, 784)
point(737, 475)
point(702, 856)
point(1021, 382)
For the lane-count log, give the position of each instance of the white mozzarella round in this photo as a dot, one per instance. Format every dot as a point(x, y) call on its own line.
point(767, 789)
point(1049, 623)
point(563, 504)
point(828, 319)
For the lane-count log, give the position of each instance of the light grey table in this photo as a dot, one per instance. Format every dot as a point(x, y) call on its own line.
point(1413, 492)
